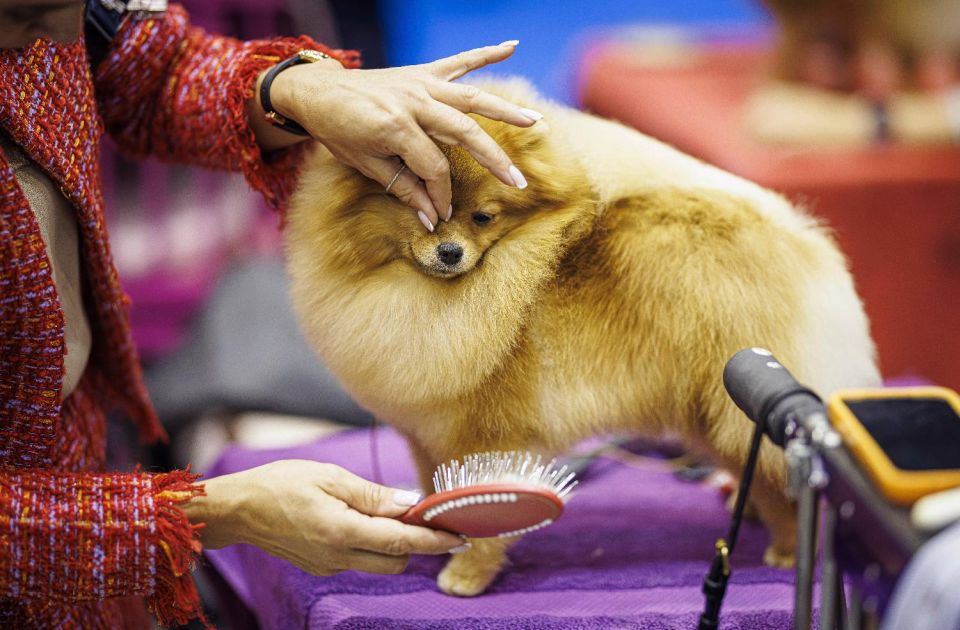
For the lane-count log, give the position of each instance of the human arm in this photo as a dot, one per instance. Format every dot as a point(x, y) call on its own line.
point(379, 120)
point(173, 91)
point(169, 90)
point(317, 516)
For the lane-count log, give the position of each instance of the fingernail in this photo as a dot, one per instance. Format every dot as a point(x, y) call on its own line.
point(425, 220)
point(406, 497)
point(518, 179)
point(532, 114)
point(510, 42)
point(449, 212)
point(460, 548)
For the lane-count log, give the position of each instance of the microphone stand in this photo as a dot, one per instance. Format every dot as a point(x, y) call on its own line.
point(806, 477)
point(818, 465)
point(715, 582)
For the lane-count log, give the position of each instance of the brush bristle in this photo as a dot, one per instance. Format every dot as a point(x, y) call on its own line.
point(520, 467)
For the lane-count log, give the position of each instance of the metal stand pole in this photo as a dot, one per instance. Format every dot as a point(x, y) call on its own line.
point(807, 513)
point(806, 477)
point(843, 623)
point(830, 582)
point(855, 610)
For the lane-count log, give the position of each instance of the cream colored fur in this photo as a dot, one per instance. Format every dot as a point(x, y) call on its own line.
point(607, 296)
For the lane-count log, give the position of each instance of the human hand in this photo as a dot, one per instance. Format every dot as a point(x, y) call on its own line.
point(873, 47)
point(319, 517)
point(380, 120)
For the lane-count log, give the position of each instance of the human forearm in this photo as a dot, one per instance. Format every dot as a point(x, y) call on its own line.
point(189, 102)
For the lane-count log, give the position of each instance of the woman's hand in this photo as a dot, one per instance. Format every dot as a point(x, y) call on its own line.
point(316, 516)
point(379, 120)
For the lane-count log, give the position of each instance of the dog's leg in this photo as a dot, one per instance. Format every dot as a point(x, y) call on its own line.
point(749, 510)
point(470, 573)
point(780, 517)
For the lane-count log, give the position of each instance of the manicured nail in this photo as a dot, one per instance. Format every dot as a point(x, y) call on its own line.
point(425, 220)
point(460, 548)
point(510, 42)
point(518, 179)
point(449, 212)
point(532, 114)
point(406, 497)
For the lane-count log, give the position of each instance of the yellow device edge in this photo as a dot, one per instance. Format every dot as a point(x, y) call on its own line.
point(899, 486)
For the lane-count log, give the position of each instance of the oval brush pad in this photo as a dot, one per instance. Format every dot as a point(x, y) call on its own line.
point(494, 494)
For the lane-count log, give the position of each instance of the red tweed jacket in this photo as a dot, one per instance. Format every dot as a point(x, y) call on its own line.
point(78, 542)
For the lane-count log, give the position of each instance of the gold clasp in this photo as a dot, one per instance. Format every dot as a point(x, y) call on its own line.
point(724, 552)
point(311, 56)
point(275, 119)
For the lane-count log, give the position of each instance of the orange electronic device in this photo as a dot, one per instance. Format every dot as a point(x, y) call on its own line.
point(906, 439)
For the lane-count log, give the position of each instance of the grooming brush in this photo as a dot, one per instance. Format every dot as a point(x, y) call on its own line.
point(494, 494)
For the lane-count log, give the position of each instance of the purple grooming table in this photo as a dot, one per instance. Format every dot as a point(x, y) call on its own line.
point(630, 552)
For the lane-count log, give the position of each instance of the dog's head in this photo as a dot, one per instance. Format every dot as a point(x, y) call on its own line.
point(485, 210)
point(379, 229)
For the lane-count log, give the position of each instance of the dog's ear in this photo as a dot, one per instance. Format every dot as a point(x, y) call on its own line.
point(539, 151)
point(342, 190)
point(338, 200)
point(554, 173)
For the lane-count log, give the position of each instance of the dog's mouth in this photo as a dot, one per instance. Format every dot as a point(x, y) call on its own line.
point(438, 269)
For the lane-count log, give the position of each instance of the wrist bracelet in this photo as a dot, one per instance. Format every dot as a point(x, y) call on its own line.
point(275, 118)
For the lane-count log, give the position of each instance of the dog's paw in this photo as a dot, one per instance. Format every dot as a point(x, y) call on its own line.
point(453, 582)
point(470, 574)
point(778, 559)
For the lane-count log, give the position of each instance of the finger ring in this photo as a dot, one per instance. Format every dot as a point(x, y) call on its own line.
point(396, 176)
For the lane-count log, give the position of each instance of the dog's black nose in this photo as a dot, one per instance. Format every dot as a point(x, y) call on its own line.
point(449, 253)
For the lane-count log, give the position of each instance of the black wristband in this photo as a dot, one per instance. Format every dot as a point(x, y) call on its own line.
point(274, 117)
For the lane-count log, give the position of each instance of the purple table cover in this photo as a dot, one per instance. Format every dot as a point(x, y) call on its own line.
point(630, 551)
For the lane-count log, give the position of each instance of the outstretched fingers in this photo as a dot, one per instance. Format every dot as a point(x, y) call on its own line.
point(454, 67)
point(470, 99)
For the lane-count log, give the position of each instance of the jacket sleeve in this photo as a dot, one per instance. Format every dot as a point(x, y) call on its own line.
point(75, 537)
point(172, 91)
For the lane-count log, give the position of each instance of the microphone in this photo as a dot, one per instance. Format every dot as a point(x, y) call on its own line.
point(766, 391)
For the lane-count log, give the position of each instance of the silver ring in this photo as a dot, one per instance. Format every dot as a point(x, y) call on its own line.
point(396, 176)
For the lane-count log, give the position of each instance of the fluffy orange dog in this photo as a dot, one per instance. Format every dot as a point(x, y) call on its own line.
point(607, 296)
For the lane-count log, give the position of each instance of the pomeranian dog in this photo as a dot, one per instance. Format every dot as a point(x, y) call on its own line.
point(607, 296)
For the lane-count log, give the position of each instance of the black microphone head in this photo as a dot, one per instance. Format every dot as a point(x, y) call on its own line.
point(758, 383)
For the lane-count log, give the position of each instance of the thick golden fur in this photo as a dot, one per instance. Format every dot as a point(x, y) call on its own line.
point(606, 296)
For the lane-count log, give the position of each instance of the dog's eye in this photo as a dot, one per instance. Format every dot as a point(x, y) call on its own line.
point(481, 218)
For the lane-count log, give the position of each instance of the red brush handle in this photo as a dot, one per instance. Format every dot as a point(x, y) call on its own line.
point(487, 510)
